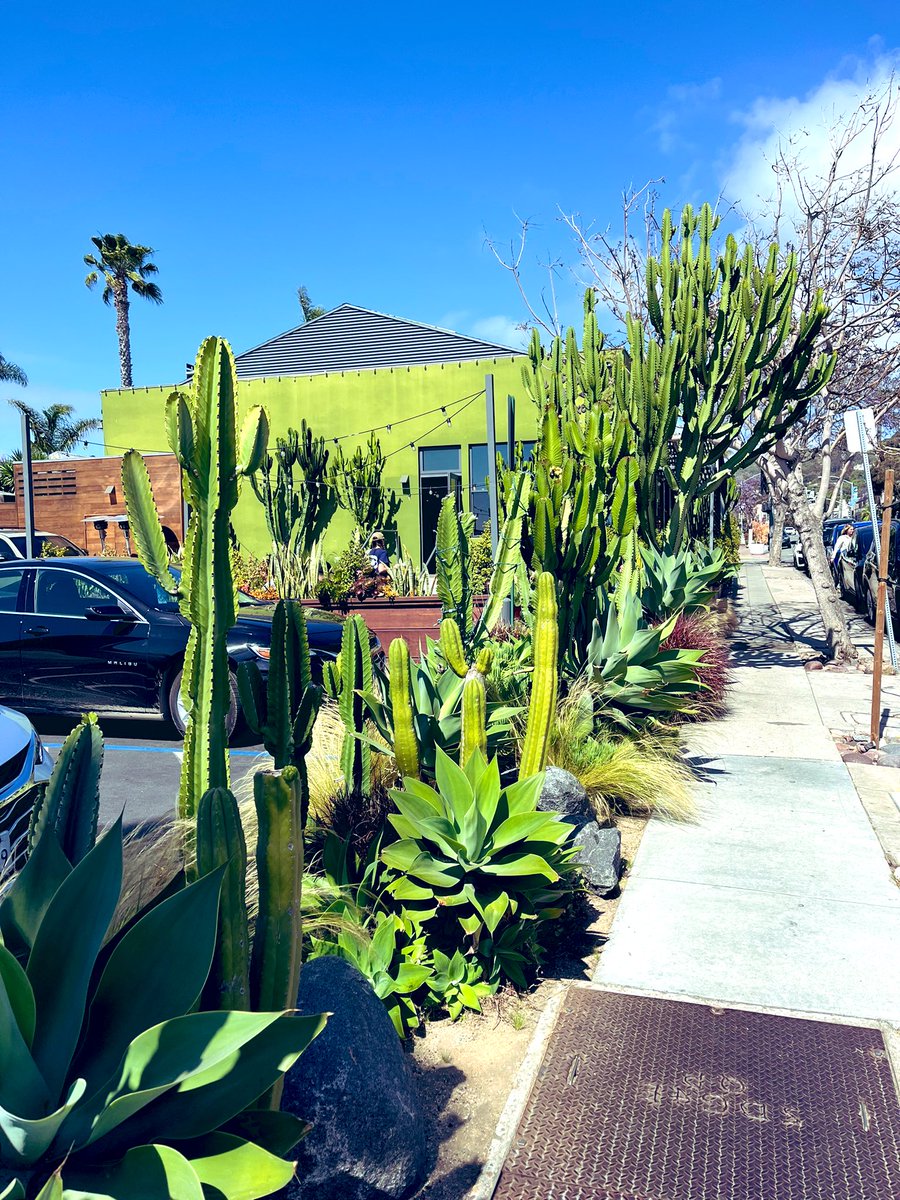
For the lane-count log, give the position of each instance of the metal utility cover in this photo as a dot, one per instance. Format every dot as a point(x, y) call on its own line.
point(647, 1099)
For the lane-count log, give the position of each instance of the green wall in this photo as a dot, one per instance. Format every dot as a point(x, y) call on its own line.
point(347, 403)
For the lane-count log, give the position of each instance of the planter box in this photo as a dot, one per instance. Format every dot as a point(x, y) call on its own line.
point(411, 617)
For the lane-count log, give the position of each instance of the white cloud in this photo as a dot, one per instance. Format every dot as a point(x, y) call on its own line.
point(682, 102)
point(503, 330)
point(806, 124)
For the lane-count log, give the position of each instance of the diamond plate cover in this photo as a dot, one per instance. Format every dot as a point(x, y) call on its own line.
point(647, 1099)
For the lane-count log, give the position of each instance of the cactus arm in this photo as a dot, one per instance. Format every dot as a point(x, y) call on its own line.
point(144, 522)
point(452, 647)
point(542, 706)
point(474, 716)
point(220, 841)
point(71, 803)
point(275, 964)
point(509, 555)
point(253, 441)
point(406, 750)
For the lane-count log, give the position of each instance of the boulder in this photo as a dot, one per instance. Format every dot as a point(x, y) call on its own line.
point(564, 794)
point(355, 1086)
point(599, 856)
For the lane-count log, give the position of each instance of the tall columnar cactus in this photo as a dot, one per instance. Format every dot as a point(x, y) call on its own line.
point(275, 964)
point(220, 844)
point(542, 706)
point(202, 431)
point(474, 717)
point(346, 680)
point(70, 804)
point(406, 750)
point(283, 710)
point(360, 488)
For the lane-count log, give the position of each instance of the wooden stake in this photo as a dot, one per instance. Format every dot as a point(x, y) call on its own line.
point(887, 501)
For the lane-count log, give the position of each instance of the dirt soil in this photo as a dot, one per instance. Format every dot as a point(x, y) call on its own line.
point(466, 1070)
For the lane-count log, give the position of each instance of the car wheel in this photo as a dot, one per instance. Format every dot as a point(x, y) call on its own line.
point(178, 715)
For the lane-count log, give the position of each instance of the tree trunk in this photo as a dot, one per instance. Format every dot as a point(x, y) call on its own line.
point(777, 530)
point(809, 526)
point(120, 298)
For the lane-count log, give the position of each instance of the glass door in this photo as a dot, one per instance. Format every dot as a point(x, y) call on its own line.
point(439, 475)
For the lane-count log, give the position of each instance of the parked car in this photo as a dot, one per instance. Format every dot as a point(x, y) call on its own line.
point(799, 556)
point(848, 567)
point(12, 544)
point(830, 530)
point(102, 635)
point(891, 574)
point(25, 767)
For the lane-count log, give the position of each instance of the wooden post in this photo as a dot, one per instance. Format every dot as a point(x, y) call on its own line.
point(883, 564)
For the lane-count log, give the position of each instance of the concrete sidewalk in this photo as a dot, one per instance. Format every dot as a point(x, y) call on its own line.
point(780, 895)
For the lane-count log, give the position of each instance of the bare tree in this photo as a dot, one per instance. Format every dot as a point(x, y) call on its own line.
point(841, 218)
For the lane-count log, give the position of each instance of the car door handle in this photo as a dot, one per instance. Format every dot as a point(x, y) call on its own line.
point(38, 631)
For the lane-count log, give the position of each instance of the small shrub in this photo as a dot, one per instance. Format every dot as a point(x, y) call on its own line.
point(481, 561)
point(699, 631)
point(251, 575)
point(729, 540)
point(348, 578)
point(621, 773)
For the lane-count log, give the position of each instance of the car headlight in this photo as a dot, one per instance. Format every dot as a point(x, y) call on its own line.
point(260, 651)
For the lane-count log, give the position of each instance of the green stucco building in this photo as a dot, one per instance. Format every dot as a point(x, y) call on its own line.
point(346, 373)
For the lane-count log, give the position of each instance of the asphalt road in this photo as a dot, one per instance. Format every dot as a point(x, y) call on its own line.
point(141, 765)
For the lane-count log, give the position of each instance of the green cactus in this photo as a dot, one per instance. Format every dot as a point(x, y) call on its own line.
point(220, 842)
point(474, 717)
point(360, 489)
point(283, 710)
point(275, 964)
point(345, 681)
point(70, 804)
point(202, 430)
point(452, 647)
point(406, 751)
point(542, 706)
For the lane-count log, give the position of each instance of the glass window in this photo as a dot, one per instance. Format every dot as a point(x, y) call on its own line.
point(6, 549)
point(10, 582)
point(479, 502)
point(438, 458)
point(134, 580)
point(63, 594)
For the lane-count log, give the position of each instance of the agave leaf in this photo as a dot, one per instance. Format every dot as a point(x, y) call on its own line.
point(15, 1191)
point(517, 828)
point(15, 983)
point(65, 949)
point(521, 864)
point(145, 1173)
point(27, 898)
point(24, 1141)
point(238, 1169)
point(452, 784)
point(156, 972)
point(276, 1131)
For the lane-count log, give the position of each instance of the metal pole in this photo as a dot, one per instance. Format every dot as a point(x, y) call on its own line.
point(873, 514)
point(885, 550)
point(27, 486)
point(492, 460)
point(510, 431)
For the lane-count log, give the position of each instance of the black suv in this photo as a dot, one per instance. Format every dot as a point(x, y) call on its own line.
point(100, 634)
point(891, 574)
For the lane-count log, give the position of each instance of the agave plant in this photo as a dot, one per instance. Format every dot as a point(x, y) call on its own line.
point(457, 983)
point(630, 676)
point(683, 581)
point(112, 1084)
point(477, 856)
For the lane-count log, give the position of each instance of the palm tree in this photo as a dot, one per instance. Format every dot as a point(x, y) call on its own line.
point(122, 265)
point(10, 373)
point(53, 431)
point(310, 310)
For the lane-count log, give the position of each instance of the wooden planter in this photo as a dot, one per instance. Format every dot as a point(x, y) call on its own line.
point(411, 617)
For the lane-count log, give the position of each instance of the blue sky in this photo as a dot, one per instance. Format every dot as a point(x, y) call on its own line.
point(363, 151)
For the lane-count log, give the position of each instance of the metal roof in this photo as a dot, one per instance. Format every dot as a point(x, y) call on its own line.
point(350, 338)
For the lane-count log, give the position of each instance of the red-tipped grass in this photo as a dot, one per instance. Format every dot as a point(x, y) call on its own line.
point(698, 631)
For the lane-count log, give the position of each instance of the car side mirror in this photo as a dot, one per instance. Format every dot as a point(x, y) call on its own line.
point(108, 612)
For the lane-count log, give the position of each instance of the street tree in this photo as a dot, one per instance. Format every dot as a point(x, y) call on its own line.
point(124, 267)
point(53, 429)
point(310, 310)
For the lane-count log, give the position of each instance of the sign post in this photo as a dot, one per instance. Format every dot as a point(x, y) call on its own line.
point(859, 424)
point(883, 558)
point(27, 486)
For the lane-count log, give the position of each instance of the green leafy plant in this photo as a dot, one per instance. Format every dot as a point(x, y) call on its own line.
point(631, 678)
point(479, 858)
point(348, 680)
point(683, 581)
point(337, 583)
point(457, 983)
point(112, 1084)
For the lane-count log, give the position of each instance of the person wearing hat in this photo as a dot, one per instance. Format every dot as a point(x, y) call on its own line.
point(378, 555)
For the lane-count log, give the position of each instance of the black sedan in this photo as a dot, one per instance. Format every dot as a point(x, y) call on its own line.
point(101, 635)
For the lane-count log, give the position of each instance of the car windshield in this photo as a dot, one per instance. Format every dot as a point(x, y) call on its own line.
point(132, 578)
